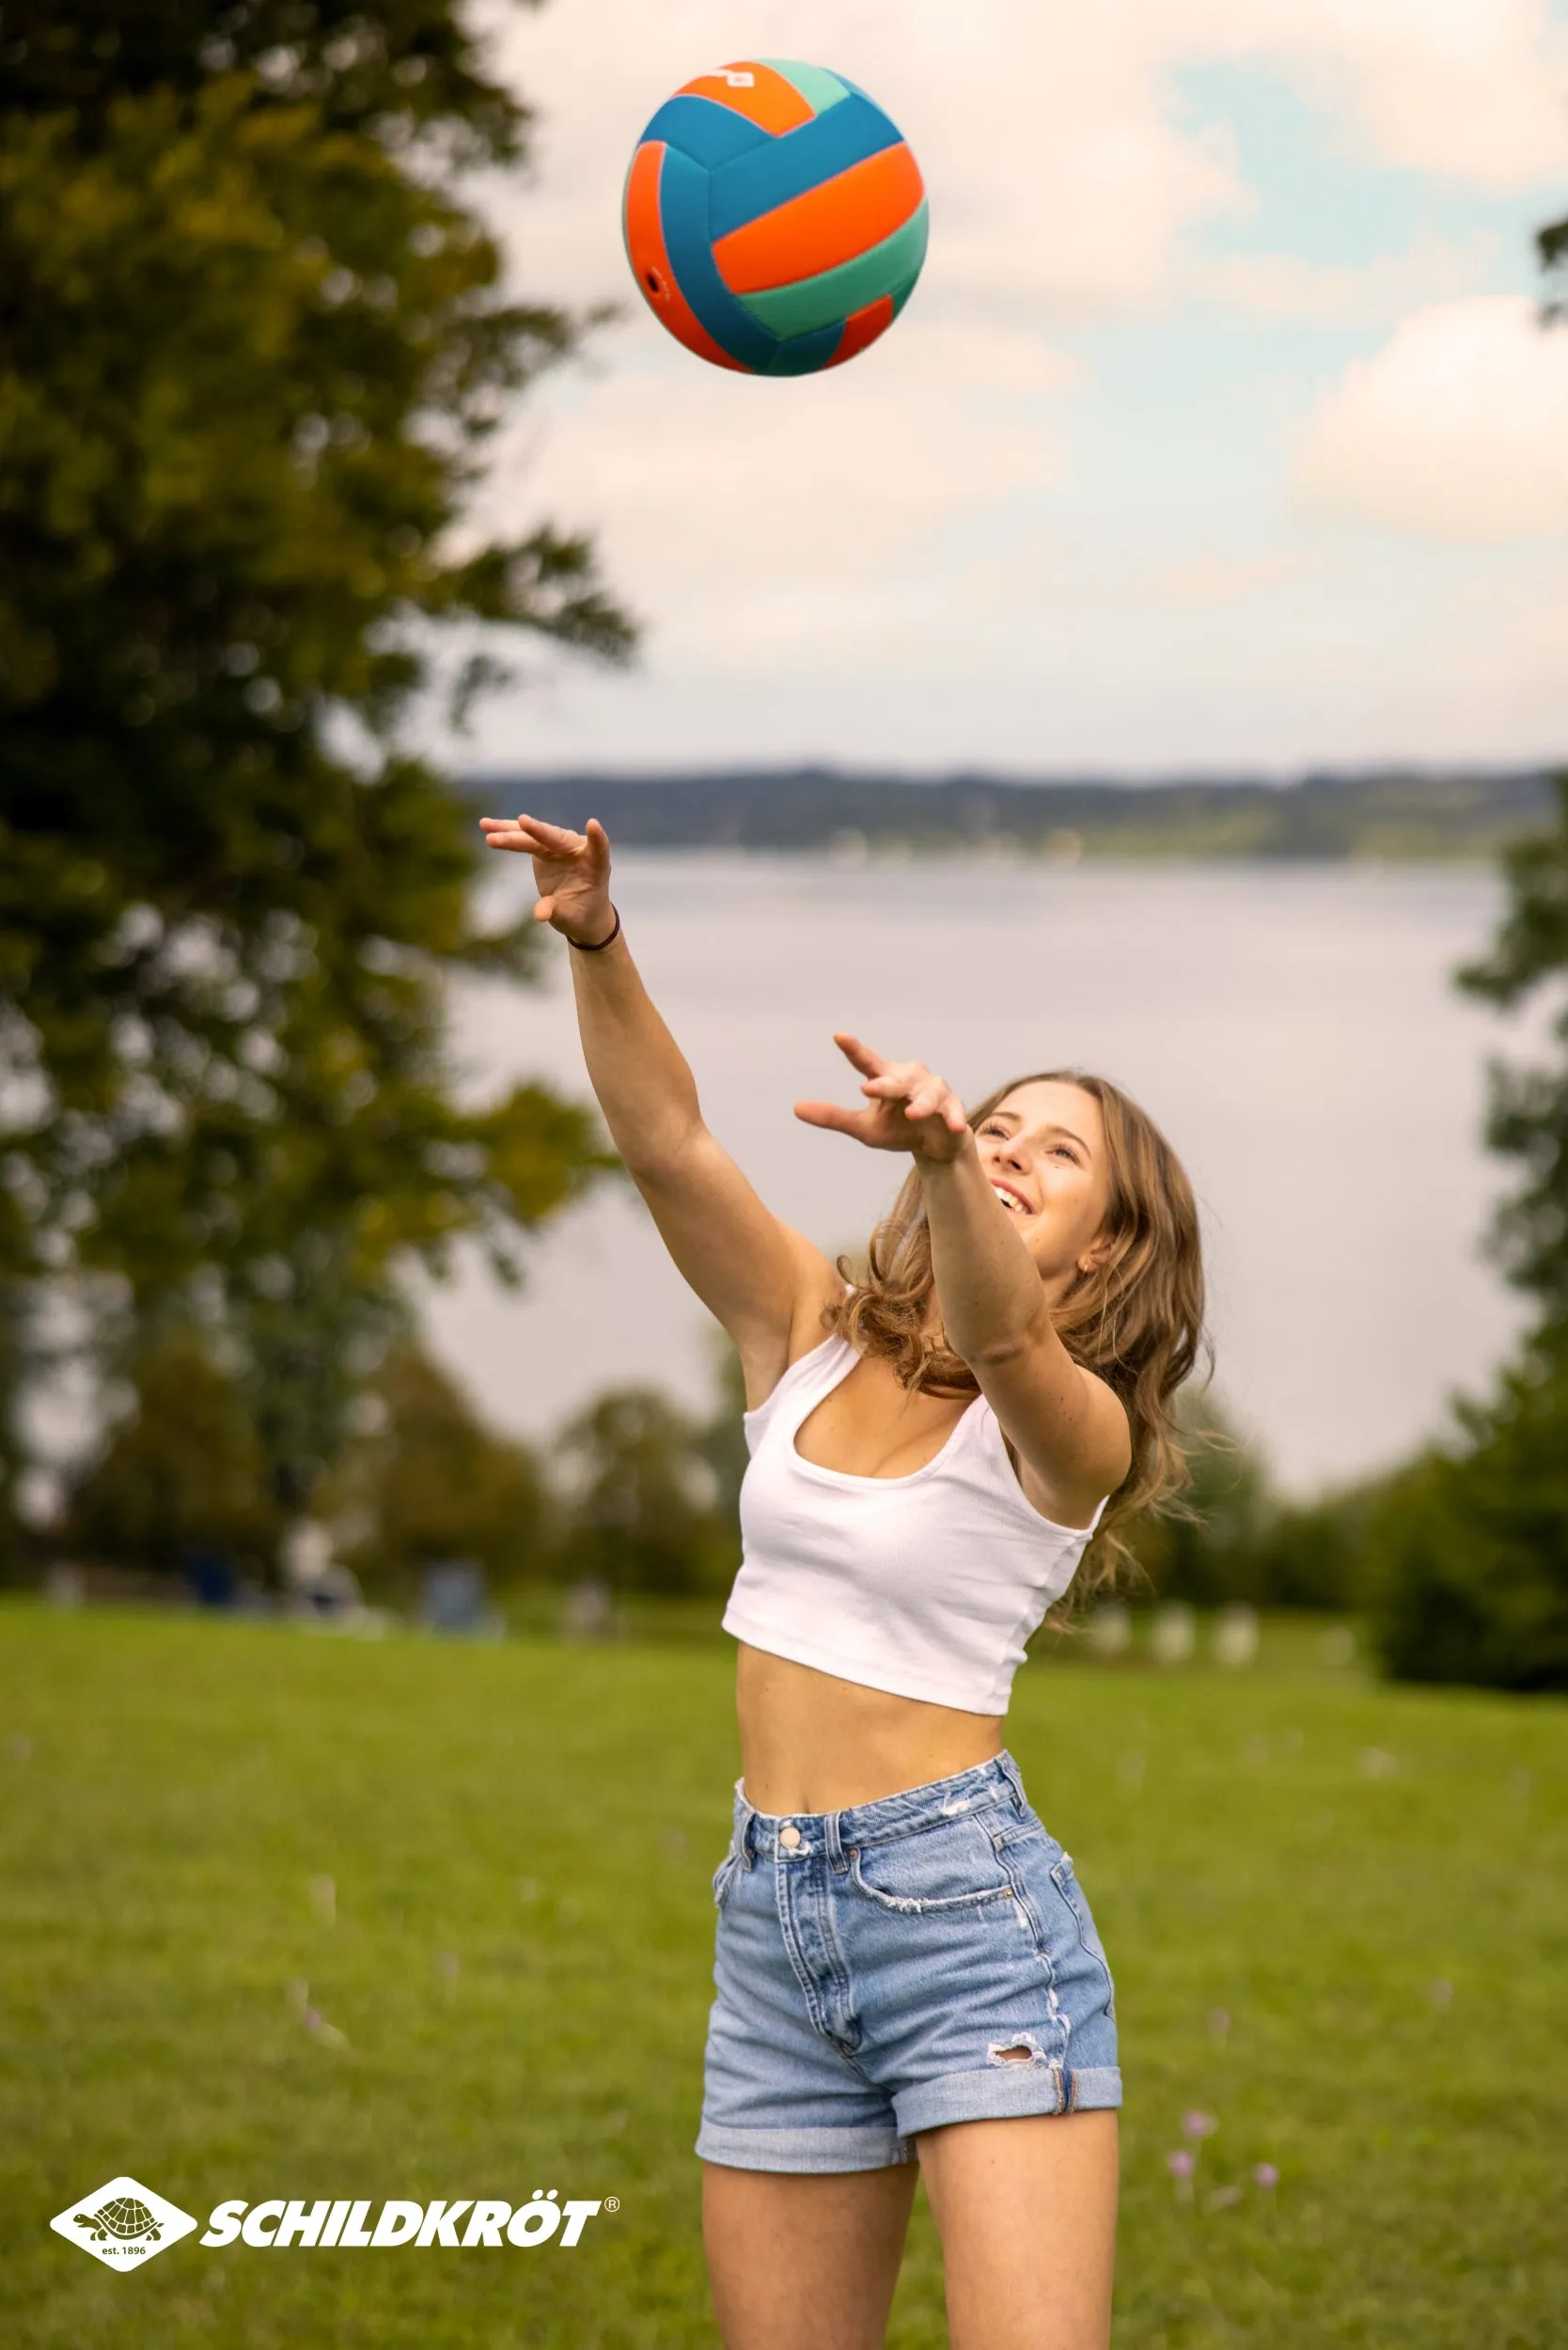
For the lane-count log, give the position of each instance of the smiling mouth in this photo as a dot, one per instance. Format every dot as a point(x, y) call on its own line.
point(1012, 1200)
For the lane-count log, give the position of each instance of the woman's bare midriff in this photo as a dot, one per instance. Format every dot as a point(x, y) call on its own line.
point(810, 1742)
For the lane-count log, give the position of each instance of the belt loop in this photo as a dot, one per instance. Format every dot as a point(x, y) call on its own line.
point(1010, 1771)
point(834, 1842)
point(748, 1850)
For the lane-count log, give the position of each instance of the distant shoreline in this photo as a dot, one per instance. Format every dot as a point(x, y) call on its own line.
point(1377, 817)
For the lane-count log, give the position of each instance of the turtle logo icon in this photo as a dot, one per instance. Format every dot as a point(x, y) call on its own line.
point(123, 2223)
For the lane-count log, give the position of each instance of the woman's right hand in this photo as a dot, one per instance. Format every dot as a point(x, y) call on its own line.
point(571, 871)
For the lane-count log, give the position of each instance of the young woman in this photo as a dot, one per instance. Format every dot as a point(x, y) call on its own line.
point(907, 1971)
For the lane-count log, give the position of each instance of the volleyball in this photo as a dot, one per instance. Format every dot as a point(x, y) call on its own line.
point(774, 218)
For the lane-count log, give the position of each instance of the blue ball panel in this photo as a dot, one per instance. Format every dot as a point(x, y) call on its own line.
point(803, 354)
point(683, 190)
point(769, 175)
point(708, 133)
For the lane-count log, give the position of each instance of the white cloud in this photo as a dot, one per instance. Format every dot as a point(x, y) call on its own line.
point(1457, 428)
point(1474, 90)
point(1283, 284)
point(756, 520)
point(1209, 582)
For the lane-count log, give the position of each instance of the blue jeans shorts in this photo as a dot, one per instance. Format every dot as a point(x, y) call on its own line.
point(887, 1969)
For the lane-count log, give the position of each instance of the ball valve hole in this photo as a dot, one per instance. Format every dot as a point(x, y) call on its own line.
point(655, 282)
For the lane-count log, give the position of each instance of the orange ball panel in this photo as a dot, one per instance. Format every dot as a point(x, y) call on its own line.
point(768, 100)
point(863, 327)
point(829, 224)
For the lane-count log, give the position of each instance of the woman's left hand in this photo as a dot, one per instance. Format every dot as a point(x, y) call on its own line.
point(910, 1108)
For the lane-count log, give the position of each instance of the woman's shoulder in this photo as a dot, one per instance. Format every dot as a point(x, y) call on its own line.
point(1055, 1512)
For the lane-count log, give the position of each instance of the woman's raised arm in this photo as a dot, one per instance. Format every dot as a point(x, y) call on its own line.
point(763, 1281)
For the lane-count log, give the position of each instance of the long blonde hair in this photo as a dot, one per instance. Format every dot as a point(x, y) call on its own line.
point(1136, 1320)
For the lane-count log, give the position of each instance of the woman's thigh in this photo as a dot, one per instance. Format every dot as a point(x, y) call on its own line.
point(1026, 2213)
point(804, 2262)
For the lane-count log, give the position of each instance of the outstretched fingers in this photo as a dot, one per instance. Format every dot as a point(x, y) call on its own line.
point(532, 836)
point(861, 1056)
point(836, 1120)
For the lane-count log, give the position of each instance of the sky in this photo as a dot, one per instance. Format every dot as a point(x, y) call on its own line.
point(1220, 433)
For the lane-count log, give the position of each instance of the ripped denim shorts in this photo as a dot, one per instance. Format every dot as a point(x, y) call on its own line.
point(887, 1970)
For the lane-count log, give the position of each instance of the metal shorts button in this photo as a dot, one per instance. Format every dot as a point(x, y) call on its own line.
point(789, 1837)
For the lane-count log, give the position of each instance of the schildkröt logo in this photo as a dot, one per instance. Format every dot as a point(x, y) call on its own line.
point(277, 2226)
point(124, 2223)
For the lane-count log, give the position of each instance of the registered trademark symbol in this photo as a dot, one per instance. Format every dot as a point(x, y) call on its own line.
point(612, 2203)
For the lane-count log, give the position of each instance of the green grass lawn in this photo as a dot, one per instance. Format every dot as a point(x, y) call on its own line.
point(1338, 1915)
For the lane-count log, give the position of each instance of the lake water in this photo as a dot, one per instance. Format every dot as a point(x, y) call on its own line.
point(1295, 1030)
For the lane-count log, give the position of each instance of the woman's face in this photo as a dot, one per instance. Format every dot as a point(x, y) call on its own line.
point(1044, 1151)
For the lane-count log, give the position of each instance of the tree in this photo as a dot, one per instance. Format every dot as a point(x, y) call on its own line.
point(1313, 1554)
point(1469, 1550)
point(254, 345)
point(1471, 1547)
point(1528, 1119)
point(1204, 1550)
point(720, 1444)
point(642, 1505)
point(431, 1481)
point(182, 1470)
point(1552, 246)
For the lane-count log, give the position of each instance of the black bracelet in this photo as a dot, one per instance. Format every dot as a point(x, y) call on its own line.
point(600, 944)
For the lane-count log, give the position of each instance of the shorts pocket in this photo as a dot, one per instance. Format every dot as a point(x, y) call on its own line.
point(1071, 1893)
point(954, 1866)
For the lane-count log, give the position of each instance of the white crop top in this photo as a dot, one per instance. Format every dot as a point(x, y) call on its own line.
point(927, 1585)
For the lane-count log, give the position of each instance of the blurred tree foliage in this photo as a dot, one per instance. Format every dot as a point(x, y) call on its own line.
point(1471, 1547)
point(1314, 1554)
point(1234, 1539)
point(1528, 1119)
point(1202, 1551)
point(428, 1481)
point(644, 1507)
point(253, 347)
point(1470, 1552)
point(636, 1493)
point(181, 1469)
point(1552, 245)
point(721, 1444)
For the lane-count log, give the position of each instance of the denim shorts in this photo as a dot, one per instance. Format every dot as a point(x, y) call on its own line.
point(884, 1971)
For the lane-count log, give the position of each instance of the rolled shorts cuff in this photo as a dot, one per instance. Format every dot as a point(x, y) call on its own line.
point(1004, 2091)
point(802, 2150)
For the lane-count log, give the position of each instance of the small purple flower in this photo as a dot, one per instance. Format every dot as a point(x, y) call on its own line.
point(1199, 2125)
point(1265, 2174)
point(1181, 2165)
point(329, 2035)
